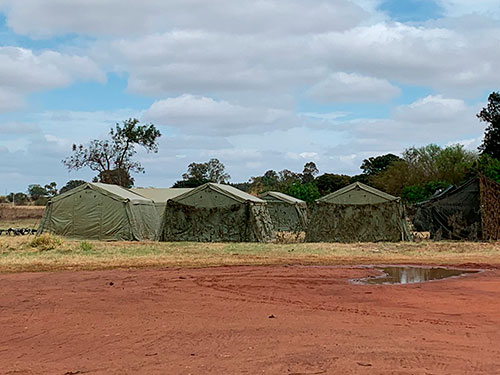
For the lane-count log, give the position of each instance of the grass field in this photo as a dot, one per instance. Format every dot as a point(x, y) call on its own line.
point(17, 254)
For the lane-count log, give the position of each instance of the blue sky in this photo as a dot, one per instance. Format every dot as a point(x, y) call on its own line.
point(259, 85)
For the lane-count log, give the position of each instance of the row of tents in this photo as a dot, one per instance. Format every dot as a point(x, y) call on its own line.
point(219, 213)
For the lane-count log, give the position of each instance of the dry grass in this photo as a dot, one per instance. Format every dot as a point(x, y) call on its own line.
point(17, 254)
point(19, 223)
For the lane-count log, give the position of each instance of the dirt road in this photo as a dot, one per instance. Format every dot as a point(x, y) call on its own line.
point(246, 320)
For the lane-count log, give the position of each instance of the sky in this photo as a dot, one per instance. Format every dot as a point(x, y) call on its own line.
point(265, 84)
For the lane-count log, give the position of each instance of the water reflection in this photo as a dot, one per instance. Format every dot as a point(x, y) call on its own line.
point(412, 275)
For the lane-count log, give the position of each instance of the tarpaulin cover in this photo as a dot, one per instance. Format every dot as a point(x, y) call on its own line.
point(101, 212)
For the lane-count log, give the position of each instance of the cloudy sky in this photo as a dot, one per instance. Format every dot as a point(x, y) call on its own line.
point(265, 84)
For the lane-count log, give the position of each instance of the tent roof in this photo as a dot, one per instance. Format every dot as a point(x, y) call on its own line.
point(114, 191)
point(160, 195)
point(358, 185)
point(282, 197)
point(451, 190)
point(226, 190)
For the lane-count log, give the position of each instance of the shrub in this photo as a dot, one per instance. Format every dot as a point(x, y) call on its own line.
point(46, 241)
point(86, 246)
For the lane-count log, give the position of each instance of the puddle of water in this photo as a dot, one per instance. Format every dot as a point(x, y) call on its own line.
point(412, 275)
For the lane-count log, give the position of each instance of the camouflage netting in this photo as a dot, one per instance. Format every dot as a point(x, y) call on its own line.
point(490, 208)
point(288, 217)
point(242, 222)
point(331, 222)
point(455, 215)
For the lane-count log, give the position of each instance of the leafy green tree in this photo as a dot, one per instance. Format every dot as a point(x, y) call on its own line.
point(71, 184)
point(418, 193)
point(491, 114)
point(378, 164)
point(489, 166)
point(363, 178)
point(36, 191)
point(419, 166)
point(243, 186)
point(309, 172)
point(307, 192)
point(329, 182)
point(268, 182)
point(201, 173)
point(113, 158)
point(19, 199)
point(454, 163)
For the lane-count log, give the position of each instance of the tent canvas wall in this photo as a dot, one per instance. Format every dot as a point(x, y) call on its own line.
point(357, 213)
point(289, 214)
point(468, 212)
point(215, 212)
point(160, 196)
point(101, 212)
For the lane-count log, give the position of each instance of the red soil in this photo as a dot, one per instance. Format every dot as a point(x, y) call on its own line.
point(246, 320)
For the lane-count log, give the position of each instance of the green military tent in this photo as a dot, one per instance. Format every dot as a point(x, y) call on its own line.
point(289, 214)
point(101, 212)
point(357, 213)
point(467, 212)
point(216, 213)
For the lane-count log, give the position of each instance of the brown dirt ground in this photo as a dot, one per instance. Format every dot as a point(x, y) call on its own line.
point(218, 321)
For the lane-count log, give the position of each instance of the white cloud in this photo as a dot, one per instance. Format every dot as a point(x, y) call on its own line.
point(18, 128)
point(202, 115)
point(351, 87)
point(130, 17)
point(22, 72)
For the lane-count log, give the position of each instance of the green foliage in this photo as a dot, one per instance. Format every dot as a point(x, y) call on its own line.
point(490, 167)
point(115, 177)
point(201, 173)
point(491, 115)
point(329, 182)
point(307, 192)
point(36, 191)
point(419, 193)
point(243, 186)
point(189, 183)
point(19, 199)
point(378, 164)
point(71, 184)
point(46, 241)
point(309, 172)
point(413, 194)
point(42, 201)
point(86, 246)
point(275, 181)
point(363, 178)
point(419, 166)
point(113, 158)
point(453, 164)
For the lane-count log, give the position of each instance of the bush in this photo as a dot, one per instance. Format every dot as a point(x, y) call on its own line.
point(46, 241)
point(86, 246)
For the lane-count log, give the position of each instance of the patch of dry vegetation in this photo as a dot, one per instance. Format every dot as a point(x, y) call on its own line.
point(17, 254)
